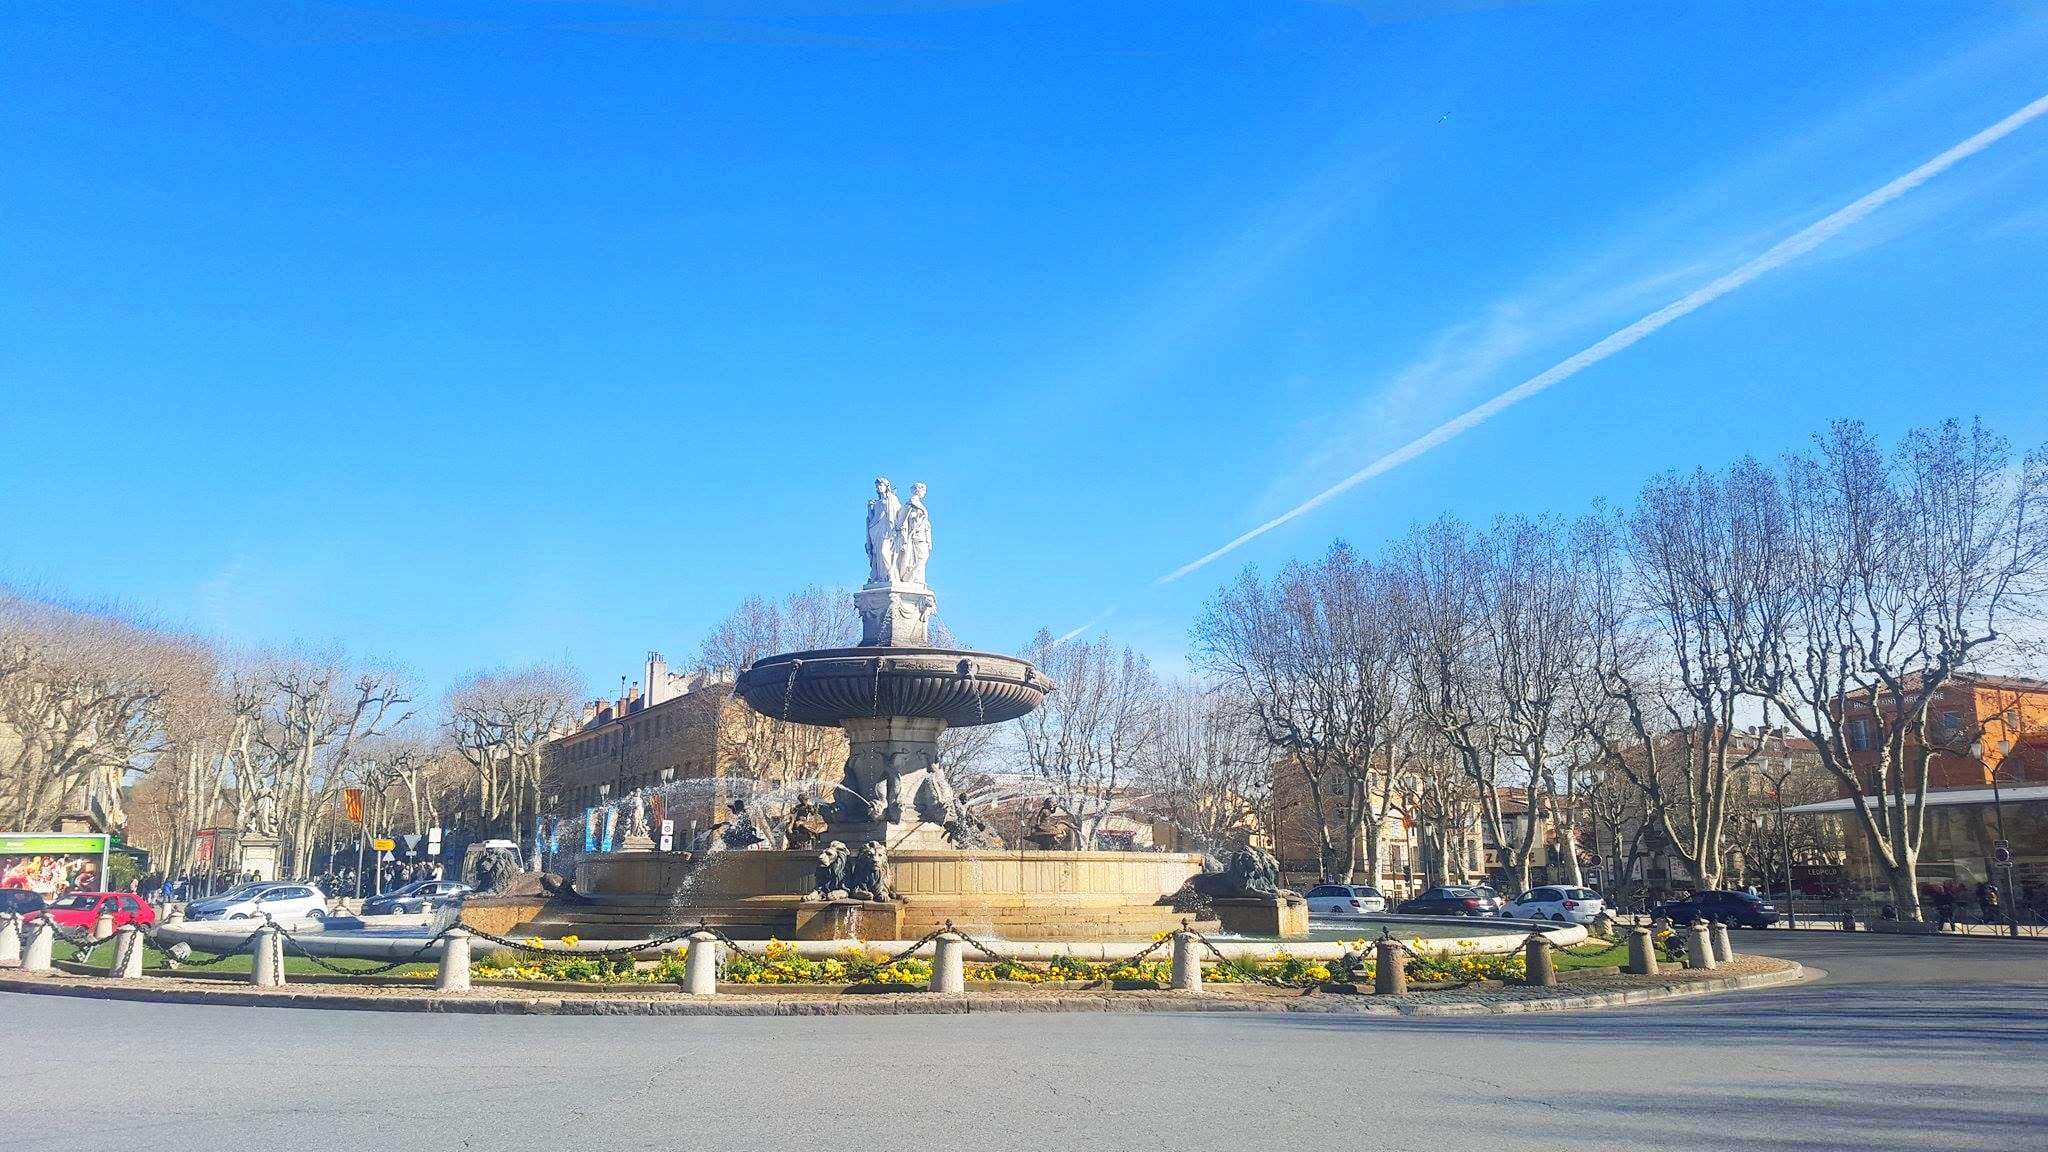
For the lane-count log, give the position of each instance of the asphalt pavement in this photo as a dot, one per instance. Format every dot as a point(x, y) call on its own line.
point(1907, 1042)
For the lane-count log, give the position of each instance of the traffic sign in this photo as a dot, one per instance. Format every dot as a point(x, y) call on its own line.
point(2002, 853)
point(668, 835)
point(383, 843)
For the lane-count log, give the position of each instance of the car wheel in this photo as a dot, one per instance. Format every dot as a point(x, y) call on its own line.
point(1559, 917)
point(317, 914)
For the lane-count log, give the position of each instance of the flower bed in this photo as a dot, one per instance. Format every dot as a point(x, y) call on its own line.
point(780, 964)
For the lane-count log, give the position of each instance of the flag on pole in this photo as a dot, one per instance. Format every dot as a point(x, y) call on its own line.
point(352, 803)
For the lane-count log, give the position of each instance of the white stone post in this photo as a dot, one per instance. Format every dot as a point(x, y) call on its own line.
point(10, 939)
point(700, 967)
point(129, 943)
point(41, 935)
point(266, 964)
point(1699, 947)
point(1642, 953)
point(454, 962)
point(1724, 948)
point(948, 974)
point(1537, 969)
point(1187, 963)
point(102, 925)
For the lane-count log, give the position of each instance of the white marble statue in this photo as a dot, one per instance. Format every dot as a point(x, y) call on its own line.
point(882, 513)
point(913, 537)
point(263, 814)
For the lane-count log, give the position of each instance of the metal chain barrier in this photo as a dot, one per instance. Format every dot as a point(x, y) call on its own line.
point(156, 942)
point(291, 944)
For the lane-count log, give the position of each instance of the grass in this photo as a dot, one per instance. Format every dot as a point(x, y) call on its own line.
point(294, 965)
point(1614, 956)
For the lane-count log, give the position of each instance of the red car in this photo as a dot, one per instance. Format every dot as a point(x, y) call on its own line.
point(82, 909)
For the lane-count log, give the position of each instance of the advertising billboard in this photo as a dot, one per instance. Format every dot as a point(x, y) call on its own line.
point(51, 864)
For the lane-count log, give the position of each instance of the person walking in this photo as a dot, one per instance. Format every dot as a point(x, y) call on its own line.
point(1987, 901)
point(1945, 907)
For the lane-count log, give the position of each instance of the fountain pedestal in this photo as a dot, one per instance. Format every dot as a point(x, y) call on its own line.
point(895, 615)
point(1284, 916)
point(849, 920)
point(893, 790)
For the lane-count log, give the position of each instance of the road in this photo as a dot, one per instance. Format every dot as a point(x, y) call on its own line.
point(1907, 1043)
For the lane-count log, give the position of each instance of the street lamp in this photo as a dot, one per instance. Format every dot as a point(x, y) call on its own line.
point(2001, 854)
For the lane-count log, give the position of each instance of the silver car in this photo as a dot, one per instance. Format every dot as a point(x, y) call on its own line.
point(1558, 902)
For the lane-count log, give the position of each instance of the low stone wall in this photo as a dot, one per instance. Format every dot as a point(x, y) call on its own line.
point(1018, 895)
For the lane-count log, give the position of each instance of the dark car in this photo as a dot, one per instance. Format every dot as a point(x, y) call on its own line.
point(1735, 909)
point(1453, 900)
point(20, 901)
point(418, 896)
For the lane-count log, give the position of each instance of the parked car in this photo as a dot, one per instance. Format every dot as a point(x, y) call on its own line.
point(1489, 897)
point(82, 909)
point(287, 900)
point(206, 907)
point(424, 896)
point(20, 901)
point(1451, 900)
point(1735, 909)
point(1556, 902)
point(1344, 900)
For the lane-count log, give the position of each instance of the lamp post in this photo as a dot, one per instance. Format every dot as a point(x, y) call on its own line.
point(2002, 853)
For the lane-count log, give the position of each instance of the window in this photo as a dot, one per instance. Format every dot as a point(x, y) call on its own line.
point(1325, 890)
point(1859, 734)
point(1951, 721)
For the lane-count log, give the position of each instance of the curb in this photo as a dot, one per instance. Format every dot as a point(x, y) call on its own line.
point(909, 1005)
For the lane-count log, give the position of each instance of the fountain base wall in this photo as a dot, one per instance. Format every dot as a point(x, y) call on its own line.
point(1014, 895)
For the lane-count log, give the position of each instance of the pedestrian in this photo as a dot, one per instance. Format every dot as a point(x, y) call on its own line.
point(1945, 907)
point(1987, 901)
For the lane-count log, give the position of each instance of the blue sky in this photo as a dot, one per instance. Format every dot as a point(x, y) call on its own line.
point(466, 335)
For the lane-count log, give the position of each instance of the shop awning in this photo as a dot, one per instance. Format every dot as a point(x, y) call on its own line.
point(2018, 794)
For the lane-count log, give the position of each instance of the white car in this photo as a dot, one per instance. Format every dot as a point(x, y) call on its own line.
point(285, 901)
point(1556, 902)
point(1345, 900)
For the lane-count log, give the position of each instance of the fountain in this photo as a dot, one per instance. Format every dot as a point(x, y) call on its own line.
point(892, 854)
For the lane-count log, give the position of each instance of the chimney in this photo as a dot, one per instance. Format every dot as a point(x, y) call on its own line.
point(633, 703)
point(657, 679)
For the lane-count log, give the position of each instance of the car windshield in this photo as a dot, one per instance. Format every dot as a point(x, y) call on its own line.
point(1581, 894)
point(1459, 893)
point(1365, 891)
point(76, 901)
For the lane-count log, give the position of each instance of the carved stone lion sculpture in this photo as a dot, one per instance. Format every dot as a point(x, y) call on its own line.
point(829, 880)
point(868, 875)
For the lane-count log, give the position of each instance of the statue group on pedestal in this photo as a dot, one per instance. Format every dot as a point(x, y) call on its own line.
point(899, 535)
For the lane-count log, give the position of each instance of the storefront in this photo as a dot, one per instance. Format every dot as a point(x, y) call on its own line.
point(1961, 841)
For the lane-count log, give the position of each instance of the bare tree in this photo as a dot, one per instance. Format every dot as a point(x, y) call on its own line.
point(1097, 732)
point(84, 702)
point(499, 723)
point(1905, 568)
point(1672, 609)
point(1213, 771)
point(1316, 657)
point(315, 715)
point(761, 747)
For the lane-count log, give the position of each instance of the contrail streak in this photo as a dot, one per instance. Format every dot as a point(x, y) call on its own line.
point(1780, 254)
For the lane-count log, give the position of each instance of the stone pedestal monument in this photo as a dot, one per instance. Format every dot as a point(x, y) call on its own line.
point(256, 847)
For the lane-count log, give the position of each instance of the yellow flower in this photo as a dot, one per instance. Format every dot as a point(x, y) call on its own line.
point(570, 941)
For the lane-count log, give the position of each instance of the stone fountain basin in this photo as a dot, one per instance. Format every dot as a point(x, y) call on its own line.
point(831, 685)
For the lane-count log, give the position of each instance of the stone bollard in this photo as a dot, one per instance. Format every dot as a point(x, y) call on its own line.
point(1187, 963)
point(266, 961)
point(454, 975)
point(700, 966)
point(1538, 971)
point(10, 939)
point(1389, 970)
point(1642, 953)
point(1699, 947)
point(1724, 948)
point(102, 927)
point(947, 976)
point(129, 943)
point(35, 955)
